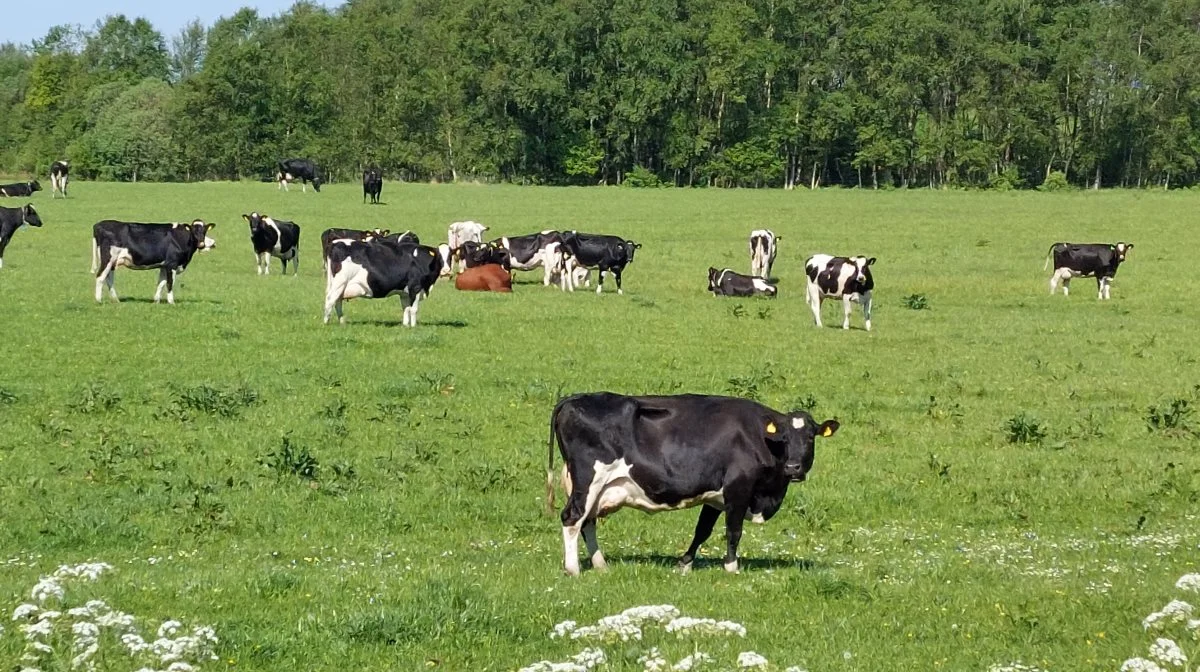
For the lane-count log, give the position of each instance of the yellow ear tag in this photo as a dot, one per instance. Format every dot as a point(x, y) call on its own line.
point(828, 432)
point(770, 428)
point(432, 253)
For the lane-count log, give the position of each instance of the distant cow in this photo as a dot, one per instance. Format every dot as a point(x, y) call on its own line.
point(298, 169)
point(605, 253)
point(20, 189)
point(274, 238)
point(330, 235)
point(845, 278)
point(459, 233)
point(485, 278)
point(725, 282)
point(375, 270)
point(525, 253)
point(665, 453)
point(59, 172)
point(1075, 259)
point(167, 247)
point(763, 246)
point(12, 219)
point(372, 185)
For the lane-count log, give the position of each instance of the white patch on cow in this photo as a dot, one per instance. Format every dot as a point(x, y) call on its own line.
point(1063, 275)
point(762, 286)
point(461, 232)
point(571, 549)
point(612, 488)
point(350, 282)
point(732, 566)
point(758, 519)
point(797, 422)
point(444, 252)
point(762, 259)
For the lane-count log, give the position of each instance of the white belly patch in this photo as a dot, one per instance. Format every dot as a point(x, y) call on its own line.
point(614, 489)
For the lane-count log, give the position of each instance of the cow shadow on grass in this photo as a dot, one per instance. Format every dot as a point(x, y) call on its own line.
point(181, 301)
point(750, 564)
point(456, 324)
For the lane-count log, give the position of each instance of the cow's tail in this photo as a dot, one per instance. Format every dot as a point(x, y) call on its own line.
point(95, 255)
point(550, 459)
point(1049, 254)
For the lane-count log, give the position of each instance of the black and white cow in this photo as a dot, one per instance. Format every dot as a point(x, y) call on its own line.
point(726, 282)
point(457, 234)
point(59, 173)
point(377, 269)
point(298, 169)
point(19, 189)
point(526, 253)
point(372, 185)
point(1076, 259)
point(605, 253)
point(328, 236)
point(12, 219)
point(481, 254)
point(664, 453)
point(845, 278)
point(274, 238)
point(397, 238)
point(763, 246)
point(167, 247)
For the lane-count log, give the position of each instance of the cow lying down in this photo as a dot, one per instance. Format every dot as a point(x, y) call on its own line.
point(664, 453)
point(726, 282)
point(485, 278)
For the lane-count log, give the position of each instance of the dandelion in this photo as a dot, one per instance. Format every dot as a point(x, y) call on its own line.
point(751, 660)
point(25, 611)
point(1140, 665)
point(1189, 582)
point(1167, 652)
point(1176, 611)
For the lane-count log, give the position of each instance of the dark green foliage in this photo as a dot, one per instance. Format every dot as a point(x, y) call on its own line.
point(187, 402)
point(915, 302)
point(1024, 428)
point(293, 460)
point(1169, 416)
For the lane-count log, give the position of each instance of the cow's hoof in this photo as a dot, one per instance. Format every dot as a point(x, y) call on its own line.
point(732, 567)
point(599, 564)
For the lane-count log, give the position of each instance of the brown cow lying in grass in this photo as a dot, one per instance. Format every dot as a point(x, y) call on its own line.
point(486, 278)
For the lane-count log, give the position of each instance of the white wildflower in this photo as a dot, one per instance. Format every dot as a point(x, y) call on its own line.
point(30, 669)
point(589, 658)
point(1189, 582)
point(134, 643)
point(691, 662)
point(85, 655)
point(180, 666)
point(795, 668)
point(24, 611)
point(659, 613)
point(1167, 652)
point(49, 615)
point(653, 661)
point(47, 588)
point(41, 646)
point(563, 629)
point(546, 666)
point(1194, 625)
point(1176, 611)
point(750, 659)
point(1014, 667)
point(115, 619)
point(609, 629)
point(169, 628)
point(79, 612)
point(87, 570)
point(685, 625)
point(37, 629)
point(85, 629)
point(1141, 665)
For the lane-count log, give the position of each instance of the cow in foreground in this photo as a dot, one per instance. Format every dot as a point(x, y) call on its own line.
point(726, 282)
point(12, 219)
point(167, 247)
point(459, 233)
point(372, 185)
point(375, 270)
point(763, 246)
point(304, 170)
point(1076, 259)
point(484, 278)
point(664, 453)
point(845, 278)
point(274, 238)
point(605, 253)
point(59, 174)
point(20, 189)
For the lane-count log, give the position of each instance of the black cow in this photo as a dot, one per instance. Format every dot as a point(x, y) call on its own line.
point(298, 169)
point(845, 278)
point(1075, 259)
point(372, 185)
point(167, 247)
point(330, 235)
point(59, 171)
point(20, 189)
point(274, 238)
point(665, 453)
point(726, 282)
point(377, 269)
point(606, 253)
point(12, 219)
point(481, 254)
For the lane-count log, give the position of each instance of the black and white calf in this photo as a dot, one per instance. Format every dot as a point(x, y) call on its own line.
point(12, 219)
point(845, 278)
point(372, 185)
point(605, 253)
point(376, 270)
point(274, 238)
point(763, 246)
point(59, 173)
point(19, 189)
point(725, 282)
point(1076, 259)
point(304, 170)
point(167, 247)
point(664, 453)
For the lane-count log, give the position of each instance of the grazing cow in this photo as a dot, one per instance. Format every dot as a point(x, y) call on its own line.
point(20, 189)
point(167, 247)
point(274, 238)
point(543, 249)
point(372, 185)
point(462, 232)
point(298, 169)
point(475, 254)
point(59, 171)
point(12, 219)
point(664, 453)
point(328, 236)
point(1074, 259)
point(484, 278)
point(763, 246)
point(725, 282)
point(605, 253)
point(375, 270)
point(845, 278)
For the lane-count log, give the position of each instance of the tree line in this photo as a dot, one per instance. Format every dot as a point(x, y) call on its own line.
point(748, 93)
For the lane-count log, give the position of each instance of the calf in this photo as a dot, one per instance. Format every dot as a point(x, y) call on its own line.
point(375, 270)
point(1074, 259)
point(167, 247)
point(845, 278)
point(59, 171)
point(328, 236)
point(298, 169)
point(484, 278)
point(462, 232)
point(763, 245)
point(274, 238)
point(605, 253)
point(664, 453)
point(20, 189)
point(727, 283)
point(372, 185)
point(475, 254)
point(12, 219)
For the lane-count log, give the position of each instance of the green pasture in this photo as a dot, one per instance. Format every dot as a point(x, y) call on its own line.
point(1016, 478)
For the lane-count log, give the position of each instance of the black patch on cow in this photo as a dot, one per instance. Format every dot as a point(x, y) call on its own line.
point(12, 219)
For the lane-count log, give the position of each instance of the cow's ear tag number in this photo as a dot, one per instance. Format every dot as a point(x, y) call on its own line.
point(770, 428)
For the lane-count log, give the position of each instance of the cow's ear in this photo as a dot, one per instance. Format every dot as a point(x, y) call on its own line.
point(871, 261)
point(210, 226)
point(1128, 246)
point(828, 428)
point(246, 217)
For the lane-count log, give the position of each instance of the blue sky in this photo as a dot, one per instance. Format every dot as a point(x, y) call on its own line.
point(26, 21)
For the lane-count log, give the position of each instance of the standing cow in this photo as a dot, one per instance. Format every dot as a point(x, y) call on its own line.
point(763, 246)
point(379, 269)
point(457, 234)
point(298, 169)
point(674, 452)
point(372, 185)
point(274, 238)
point(1076, 259)
point(167, 247)
point(59, 173)
point(12, 219)
point(845, 278)
point(605, 253)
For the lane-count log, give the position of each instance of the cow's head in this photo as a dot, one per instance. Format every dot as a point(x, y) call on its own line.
point(795, 441)
point(862, 269)
point(316, 182)
point(254, 219)
point(630, 246)
point(713, 274)
point(199, 230)
point(30, 216)
point(1121, 249)
point(34, 186)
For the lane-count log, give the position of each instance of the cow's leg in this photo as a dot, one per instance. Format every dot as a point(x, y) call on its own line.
point(416, 306)
point(582, 495)
point(171, 286)
point(593, 545)
point(704, 528)
point(1066, 283)
point(600, 280)
point(846, 310)
point(296, 260)
point(1102, 287)
point(3, 244)
point(163, 273)
point(866, 304)
point(734, 519)
point(1108, 288)
point(617, 274)
point(814, 302)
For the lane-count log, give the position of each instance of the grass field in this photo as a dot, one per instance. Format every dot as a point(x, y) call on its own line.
point(1006, 485)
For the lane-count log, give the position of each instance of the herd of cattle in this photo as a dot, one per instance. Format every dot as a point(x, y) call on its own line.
point(652, 453)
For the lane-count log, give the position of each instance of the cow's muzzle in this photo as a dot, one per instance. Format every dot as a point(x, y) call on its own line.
point(794, 472)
